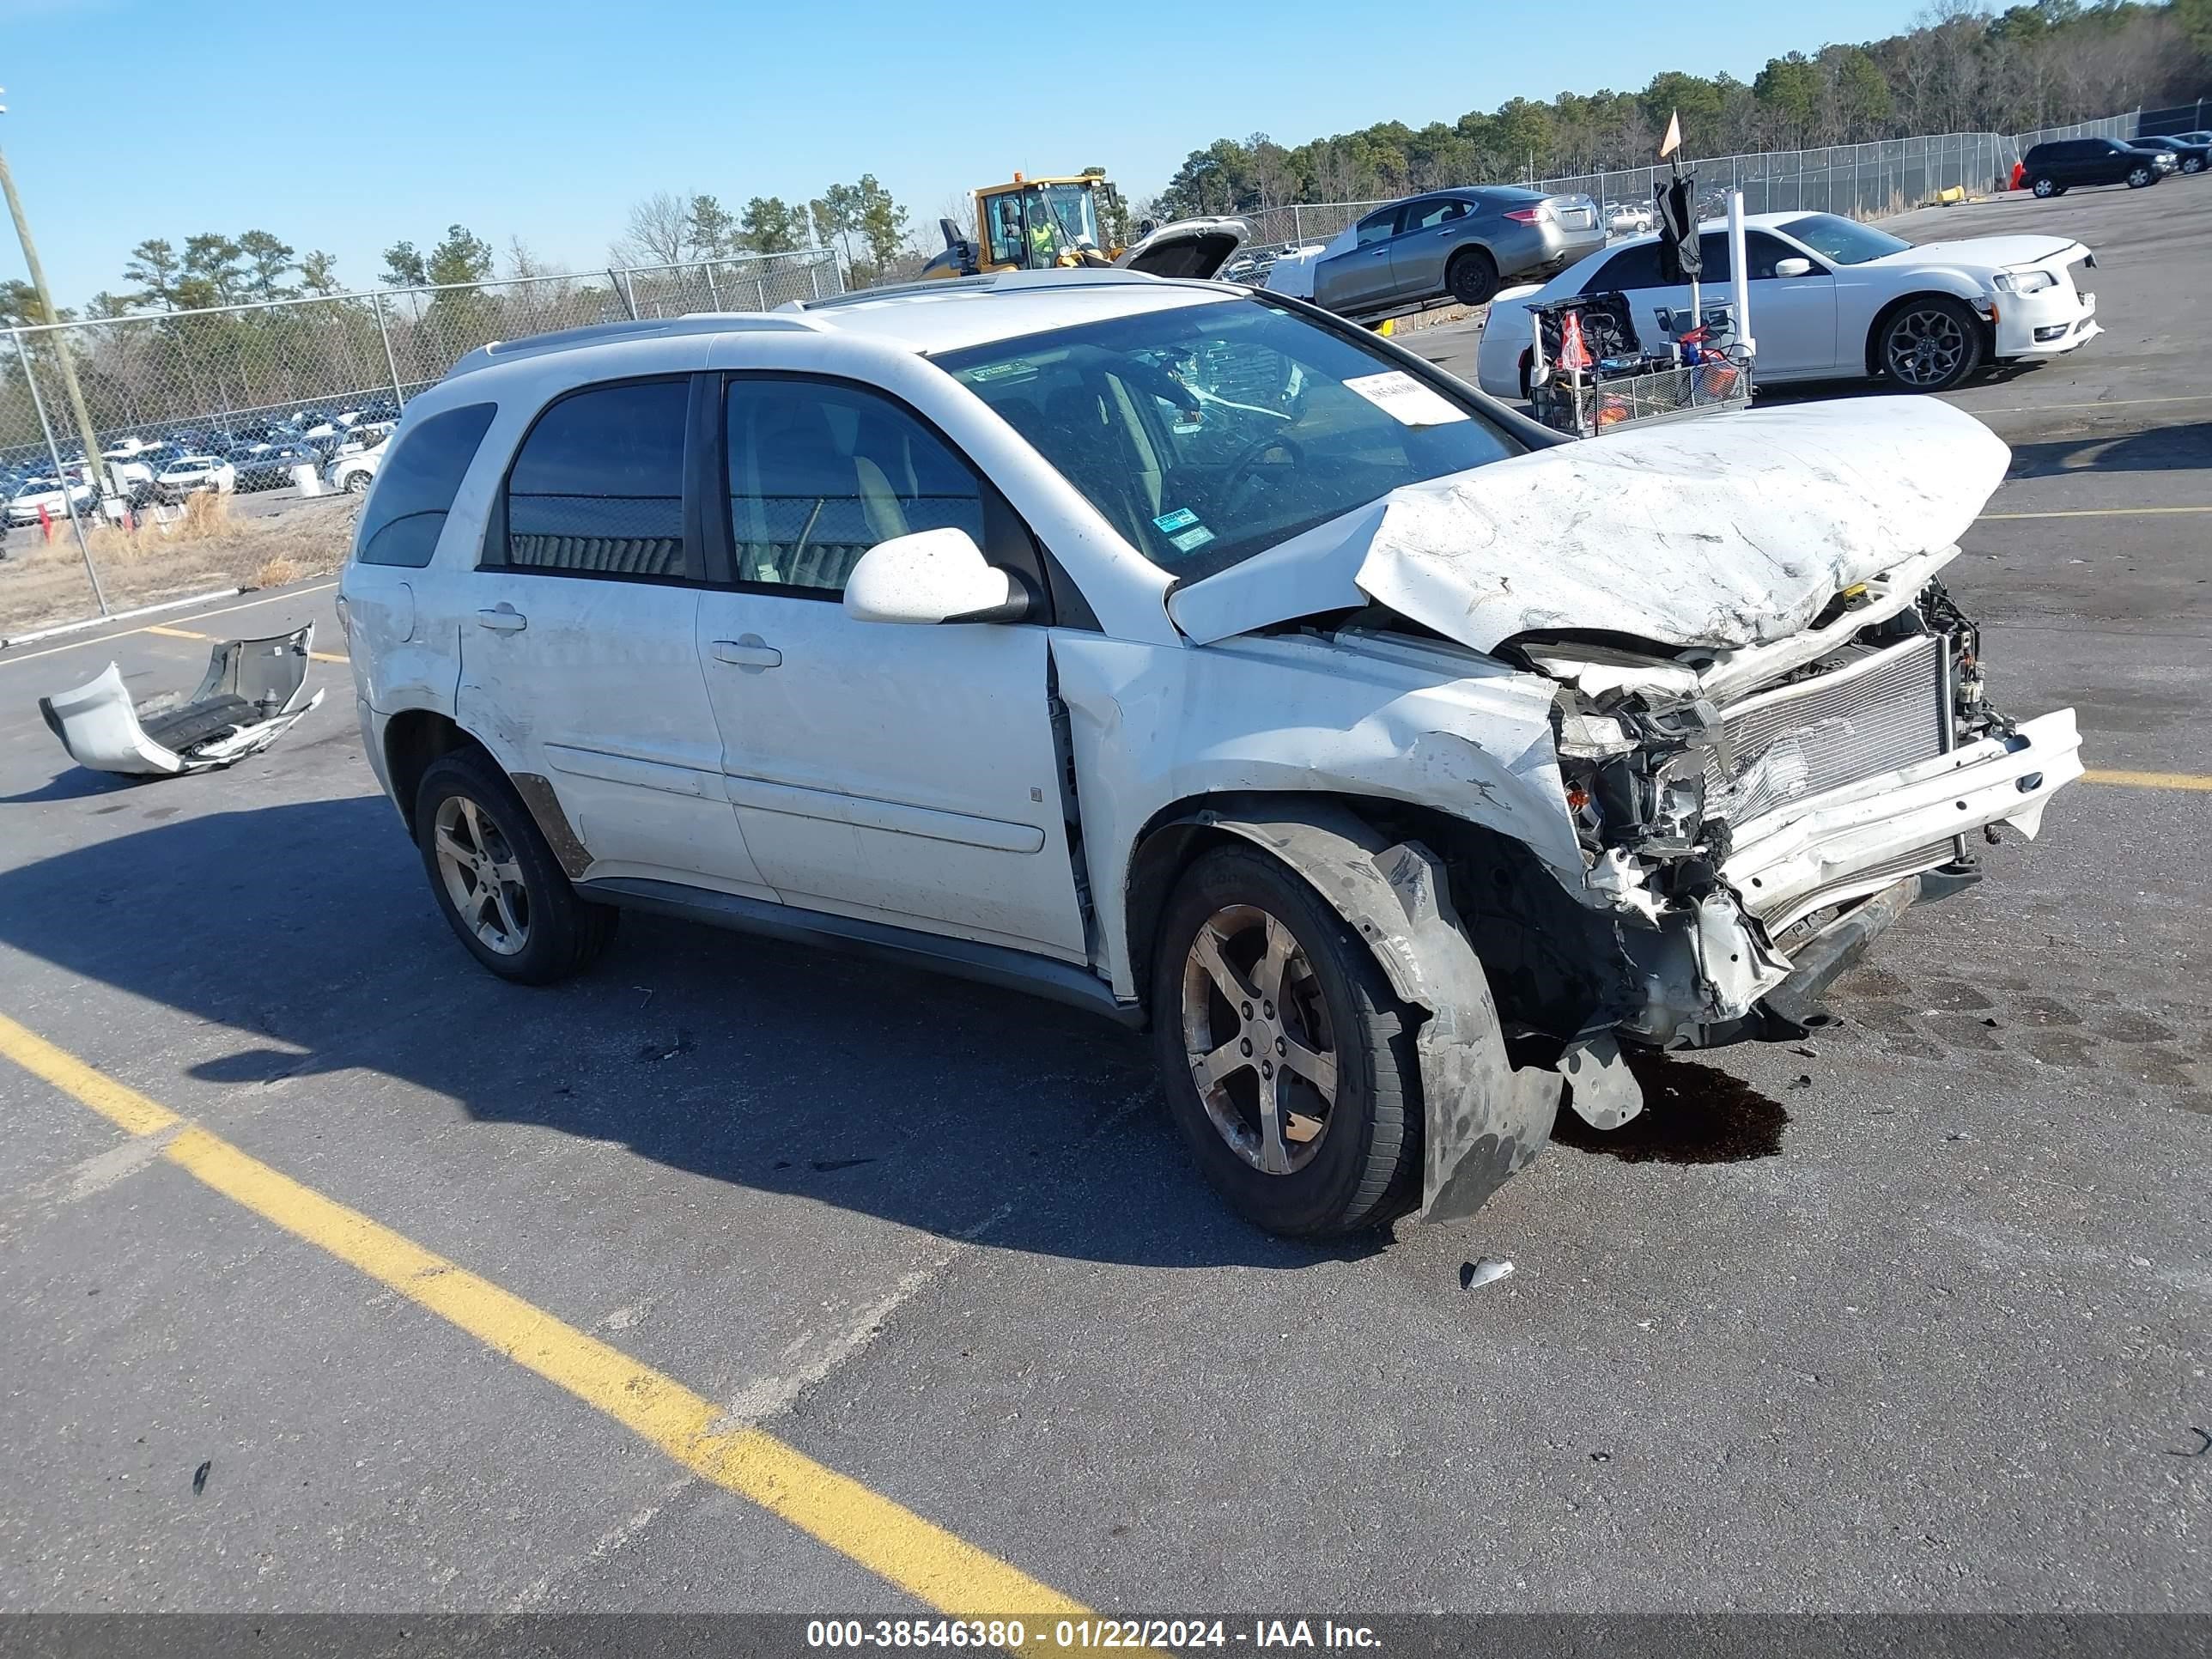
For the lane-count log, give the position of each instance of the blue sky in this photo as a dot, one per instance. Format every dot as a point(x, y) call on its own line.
point(347, 127)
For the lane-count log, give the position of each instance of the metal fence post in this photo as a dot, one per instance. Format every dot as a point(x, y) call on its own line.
point(1297, 227)
point(61, 477)
point(814, 277)
point(622, 293)
point(712, 293)
point(390, 362)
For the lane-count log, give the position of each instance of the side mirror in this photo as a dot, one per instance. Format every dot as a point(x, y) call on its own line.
point(1793, 267)
point(931, 576)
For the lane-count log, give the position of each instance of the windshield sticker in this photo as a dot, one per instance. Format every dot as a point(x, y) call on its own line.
point(1191, 540)
point(1181, 519)
point(1403, 397)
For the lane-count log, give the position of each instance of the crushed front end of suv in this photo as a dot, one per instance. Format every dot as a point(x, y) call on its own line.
point(1190, 655)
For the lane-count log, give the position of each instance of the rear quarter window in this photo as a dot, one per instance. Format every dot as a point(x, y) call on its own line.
point(416, 484)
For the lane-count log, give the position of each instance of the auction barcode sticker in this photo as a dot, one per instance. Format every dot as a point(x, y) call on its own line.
point(1403, 397)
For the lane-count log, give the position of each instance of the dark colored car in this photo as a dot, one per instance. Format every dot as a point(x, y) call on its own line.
point(2188, 156)
point(2054, 168)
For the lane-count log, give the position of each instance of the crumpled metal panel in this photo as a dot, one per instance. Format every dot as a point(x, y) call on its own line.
point(1719, 532)
point(1482, 1118)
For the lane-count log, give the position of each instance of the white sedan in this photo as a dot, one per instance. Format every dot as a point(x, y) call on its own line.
point(190, 473)
point(1832, 299)
point(36, 493)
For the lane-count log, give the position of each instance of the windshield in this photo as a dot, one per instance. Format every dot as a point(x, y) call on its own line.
point(1209, 433)
point(1066, 213)
point(1844, 241)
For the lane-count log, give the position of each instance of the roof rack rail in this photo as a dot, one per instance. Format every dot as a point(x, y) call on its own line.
point(644, 328)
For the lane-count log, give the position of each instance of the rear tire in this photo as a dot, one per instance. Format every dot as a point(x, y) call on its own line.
point(1472, 276)
point(2192, 165)
point(495, 879)
point(1339, 1159)
point(2047, 187)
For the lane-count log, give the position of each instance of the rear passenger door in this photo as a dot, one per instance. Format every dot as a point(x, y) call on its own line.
point(1429, 232)
point(1360, 278)
point(902, 774)
point(580, 661)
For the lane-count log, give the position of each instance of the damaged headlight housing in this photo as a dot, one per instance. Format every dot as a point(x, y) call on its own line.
point(1637, 777)
point(2024, 281)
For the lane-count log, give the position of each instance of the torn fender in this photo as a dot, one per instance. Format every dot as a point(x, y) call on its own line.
point(253, 692)
point(1482, 1119)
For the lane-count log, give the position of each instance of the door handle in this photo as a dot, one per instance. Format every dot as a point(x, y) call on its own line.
point(749, 652)
point(1382, 253)
point(502, 619)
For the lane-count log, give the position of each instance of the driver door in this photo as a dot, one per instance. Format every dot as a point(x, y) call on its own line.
point(903, 773)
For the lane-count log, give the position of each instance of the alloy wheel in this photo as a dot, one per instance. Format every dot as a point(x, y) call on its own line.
point(1925, 346)
point(1256, 1035)
point(482, 877)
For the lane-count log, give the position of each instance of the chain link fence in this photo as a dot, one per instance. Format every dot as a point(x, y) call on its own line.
point(266, 389)
point(1866, 180)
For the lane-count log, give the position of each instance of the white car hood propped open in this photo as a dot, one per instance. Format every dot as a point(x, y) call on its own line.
point(1723, 532)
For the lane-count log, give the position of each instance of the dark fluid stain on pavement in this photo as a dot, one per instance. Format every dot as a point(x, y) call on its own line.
point(1691, 1115)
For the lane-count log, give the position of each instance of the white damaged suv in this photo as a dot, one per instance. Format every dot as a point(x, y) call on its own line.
point(1190, 655)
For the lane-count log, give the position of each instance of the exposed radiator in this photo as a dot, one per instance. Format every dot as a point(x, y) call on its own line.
point(1885, 711)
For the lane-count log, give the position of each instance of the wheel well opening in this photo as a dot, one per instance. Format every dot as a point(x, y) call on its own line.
point(413, 741)
point(1552, 962)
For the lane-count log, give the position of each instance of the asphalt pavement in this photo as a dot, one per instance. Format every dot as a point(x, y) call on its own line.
point(1913, 1316)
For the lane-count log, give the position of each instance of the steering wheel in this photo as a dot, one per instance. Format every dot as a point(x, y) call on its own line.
point(1235, 478)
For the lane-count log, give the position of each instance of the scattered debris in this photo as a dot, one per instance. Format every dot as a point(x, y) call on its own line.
point(1991, 1023)
point(254, 692)
point(2204, 1445)
point(1600, 1457)
point(1488, 1271)
point(1804, 1081)
point(647, 1003)
point(649, 1052)
point(1805, 1054)
point(826, 1165)
point(199, 1477)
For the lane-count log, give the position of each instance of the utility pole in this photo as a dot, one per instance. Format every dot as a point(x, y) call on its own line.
point(101, 483)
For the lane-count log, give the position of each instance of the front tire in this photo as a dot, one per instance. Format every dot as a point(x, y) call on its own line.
point(2138, 178)
point(1472, 278)
point(356, 483)
point(1287, 1059)
point(1930, 343)
point(495, 879)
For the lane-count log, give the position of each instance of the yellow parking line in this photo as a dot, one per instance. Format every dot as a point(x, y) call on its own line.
point(918, 1556)
point(2197, 781)
point(7, 657)
point(2096, 513)
point(187, 633)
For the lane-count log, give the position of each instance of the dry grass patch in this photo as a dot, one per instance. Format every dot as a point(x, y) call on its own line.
point(204, 545)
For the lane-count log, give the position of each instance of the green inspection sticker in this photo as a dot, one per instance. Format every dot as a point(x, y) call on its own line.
point(1178, 519)
point(1191, 540)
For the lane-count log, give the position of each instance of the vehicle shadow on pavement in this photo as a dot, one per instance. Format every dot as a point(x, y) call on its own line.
point(2185, 448)
point(1692, 1114)
point(969, 1113)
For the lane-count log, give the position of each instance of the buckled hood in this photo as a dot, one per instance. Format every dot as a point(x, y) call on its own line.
point(1723, 532)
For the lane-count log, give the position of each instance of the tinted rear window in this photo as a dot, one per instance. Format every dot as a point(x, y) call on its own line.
point(415, 486)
